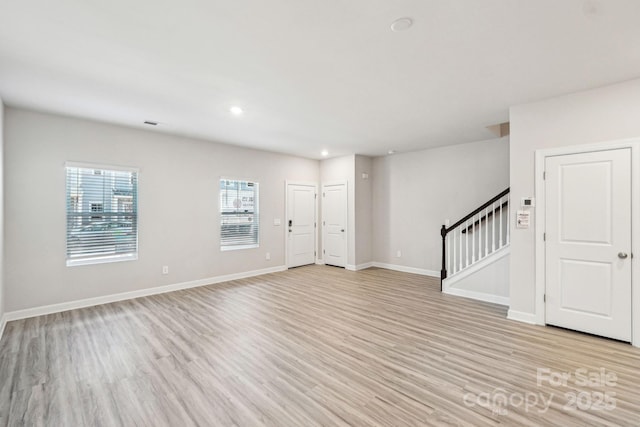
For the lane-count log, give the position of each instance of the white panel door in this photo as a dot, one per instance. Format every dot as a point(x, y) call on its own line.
point(301, 225)
point(334, 224)
point(588, 242)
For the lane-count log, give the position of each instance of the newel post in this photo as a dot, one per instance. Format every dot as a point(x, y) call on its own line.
point(443, 272)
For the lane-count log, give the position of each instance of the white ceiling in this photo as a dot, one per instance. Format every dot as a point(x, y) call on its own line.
point(311, 75)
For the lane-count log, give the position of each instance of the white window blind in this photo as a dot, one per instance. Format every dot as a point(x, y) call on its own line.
point(239, 222)
point(102, 215)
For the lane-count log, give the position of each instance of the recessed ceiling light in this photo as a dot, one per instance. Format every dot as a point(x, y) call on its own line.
point(236, 111)
point(401, 24)
point(391, 152)
point(324, 153)
point(150, 123)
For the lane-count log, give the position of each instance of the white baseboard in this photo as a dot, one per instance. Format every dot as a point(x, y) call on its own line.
point(496, 299)
point(319, 262)
point(521, 316)
point(89, 302)
point(3, 323)
point(405, 269)
point(359, 267)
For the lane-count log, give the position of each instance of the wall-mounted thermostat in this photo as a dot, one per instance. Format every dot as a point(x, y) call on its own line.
point(527, 202)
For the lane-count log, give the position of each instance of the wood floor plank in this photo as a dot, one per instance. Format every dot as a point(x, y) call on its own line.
point(312, 346)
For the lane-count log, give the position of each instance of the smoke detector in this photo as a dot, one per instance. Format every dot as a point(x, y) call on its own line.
point(401, 24)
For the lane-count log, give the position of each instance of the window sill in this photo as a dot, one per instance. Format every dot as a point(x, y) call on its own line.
point(101, 260)
point(237, 248)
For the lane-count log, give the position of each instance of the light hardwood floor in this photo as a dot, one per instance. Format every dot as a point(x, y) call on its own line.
point(313, 346)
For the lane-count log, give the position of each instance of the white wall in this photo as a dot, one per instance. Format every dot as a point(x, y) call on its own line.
point(178, 203)
point(363, 211)
point(2, 304)
point(413, 193)
point(603, 114)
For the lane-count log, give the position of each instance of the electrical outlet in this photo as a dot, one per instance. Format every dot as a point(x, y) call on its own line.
point(267, 256)
point(165, 269)
point(399, 253)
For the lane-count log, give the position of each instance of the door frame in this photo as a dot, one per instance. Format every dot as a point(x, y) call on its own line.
point(540, 222)
point(346, 220)
point(286, 218)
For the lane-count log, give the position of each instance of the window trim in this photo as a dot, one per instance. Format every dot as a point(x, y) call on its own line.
point(239, 247)
point(256, 214)
point(106, 258)
point(102, 260)
point(85, 165)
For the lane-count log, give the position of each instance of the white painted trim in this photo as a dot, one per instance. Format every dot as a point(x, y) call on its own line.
point(319, 262)
point(635, 244)
point(359, 267)
point(405, 269)
point(478, 265)
point(286, 217)
point(540, 284)
point(587, 148)
point(540, 227)
point(90, 302)
point(521, 316)
point(102, 259)
point(238, 248)
point(481, 296)
point(100, 166)
point(364, 266)
point(3, 323)
point(333, 183)
point(255, 180)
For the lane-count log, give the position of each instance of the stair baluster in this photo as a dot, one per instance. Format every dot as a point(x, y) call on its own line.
point(459, 254)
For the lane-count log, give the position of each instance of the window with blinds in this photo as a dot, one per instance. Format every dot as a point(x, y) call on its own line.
point(102, 215)
point(239, 222)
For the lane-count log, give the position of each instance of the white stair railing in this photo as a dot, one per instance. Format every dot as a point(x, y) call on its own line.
point(476, 236)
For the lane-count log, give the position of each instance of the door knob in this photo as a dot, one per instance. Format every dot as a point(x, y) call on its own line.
point(342, 230)
point(622, 255)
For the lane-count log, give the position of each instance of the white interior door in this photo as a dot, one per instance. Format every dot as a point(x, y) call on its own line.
point(588, 242)
point(301, 225)
point(334, 224)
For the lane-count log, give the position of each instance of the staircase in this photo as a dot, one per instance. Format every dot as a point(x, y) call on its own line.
point(474, 251)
